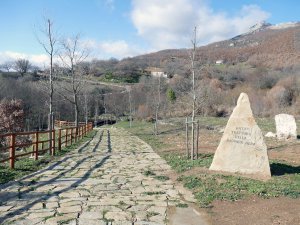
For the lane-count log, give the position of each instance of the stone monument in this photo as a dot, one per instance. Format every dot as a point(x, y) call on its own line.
point(242, 149)
point(286, 127)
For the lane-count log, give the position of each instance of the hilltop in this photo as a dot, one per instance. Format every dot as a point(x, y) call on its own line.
point(275, 46)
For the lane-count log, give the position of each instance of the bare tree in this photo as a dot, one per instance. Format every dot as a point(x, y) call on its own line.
point(128, 88)
point(8, 65)
point(192, 58)
point(22, 66)
point(49, 45)
point(72, 55)
point(157, 105)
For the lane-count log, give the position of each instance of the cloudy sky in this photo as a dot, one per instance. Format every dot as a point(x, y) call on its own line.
point(125, 28)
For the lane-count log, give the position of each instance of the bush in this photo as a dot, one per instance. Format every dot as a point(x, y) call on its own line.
point(171, 95)
point(266, 82)
point(143, 112)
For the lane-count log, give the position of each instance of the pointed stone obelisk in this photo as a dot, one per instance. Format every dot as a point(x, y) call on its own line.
point(242, 149)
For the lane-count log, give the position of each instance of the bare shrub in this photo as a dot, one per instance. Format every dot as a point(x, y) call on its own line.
point(143, 112)
point(279, 97)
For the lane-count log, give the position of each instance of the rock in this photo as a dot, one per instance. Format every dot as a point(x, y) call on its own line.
point(221, 130)
point(286, 127)
point(242, 149)
point(270, 134)
point(91, 215)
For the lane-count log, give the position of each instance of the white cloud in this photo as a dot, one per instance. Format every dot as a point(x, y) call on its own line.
point(119, 49)
point(107, 49)
point(169, 24)
point(103, 50)
point(35, 59)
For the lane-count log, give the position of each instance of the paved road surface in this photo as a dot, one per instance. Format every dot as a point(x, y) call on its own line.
point(104, 182)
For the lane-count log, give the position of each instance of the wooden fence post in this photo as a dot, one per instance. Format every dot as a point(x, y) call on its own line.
point(197, 141)
point(36, 147)
point(66, 137)
point(76, 132)
point(53, 143)
point(50, 141)
point(193, 140)
point(12, 151)
point(187, 137)
point(71, 136)
point(59, 139)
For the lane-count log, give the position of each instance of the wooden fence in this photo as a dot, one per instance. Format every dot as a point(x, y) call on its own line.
point(38, 142)
point(62, 123)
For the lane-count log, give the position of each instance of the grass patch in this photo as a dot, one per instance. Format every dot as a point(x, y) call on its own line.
point(154, 193)
point(149, 173)
point(151, 213)
point(181, 163)
point(162, 178)
point(182, 205)
point(210, 187)
point(158, 177)
point(144, 130)
point(25, 166)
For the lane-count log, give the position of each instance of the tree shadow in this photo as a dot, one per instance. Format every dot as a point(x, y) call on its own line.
point(108, 141)
point(279, 169)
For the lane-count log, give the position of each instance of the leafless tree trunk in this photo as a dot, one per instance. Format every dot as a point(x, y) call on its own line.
point(96, 113)
point(192, 57)
point(157, 106)
point(49, 46)
point(72, 56)
point(130, 105)
point(86, 107)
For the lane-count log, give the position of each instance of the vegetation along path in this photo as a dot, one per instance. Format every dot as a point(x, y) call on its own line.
point(115, 178)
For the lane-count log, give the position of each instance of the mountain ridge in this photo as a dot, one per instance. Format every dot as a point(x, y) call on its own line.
point(275, 46)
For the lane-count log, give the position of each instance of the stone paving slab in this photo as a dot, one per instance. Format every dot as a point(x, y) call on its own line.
point(103, 183)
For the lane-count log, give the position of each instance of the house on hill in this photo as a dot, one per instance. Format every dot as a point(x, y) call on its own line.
point(156, 72)
point(220, 62)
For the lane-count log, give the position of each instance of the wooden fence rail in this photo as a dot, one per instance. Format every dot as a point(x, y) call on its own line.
point(61, 123)
point(38, 142)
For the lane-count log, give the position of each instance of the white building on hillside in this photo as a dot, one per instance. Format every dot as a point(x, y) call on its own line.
point(156, 72)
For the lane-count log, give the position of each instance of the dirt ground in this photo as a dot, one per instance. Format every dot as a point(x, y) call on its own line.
point(259, 211)
point(254, 210)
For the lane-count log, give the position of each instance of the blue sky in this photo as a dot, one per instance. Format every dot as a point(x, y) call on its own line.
point(124, 28)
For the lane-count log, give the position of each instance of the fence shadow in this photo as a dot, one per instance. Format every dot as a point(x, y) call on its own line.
point(39, 197)
point(108, 141)
point(42, 197)
point(98, 142)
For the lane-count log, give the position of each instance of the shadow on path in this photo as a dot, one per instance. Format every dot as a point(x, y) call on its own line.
point(45, 197)
point(41, 196)
point(99, 141)
point(108, 141)
point(81, 148)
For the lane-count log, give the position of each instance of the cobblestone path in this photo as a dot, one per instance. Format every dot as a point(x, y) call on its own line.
point(114, 179)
